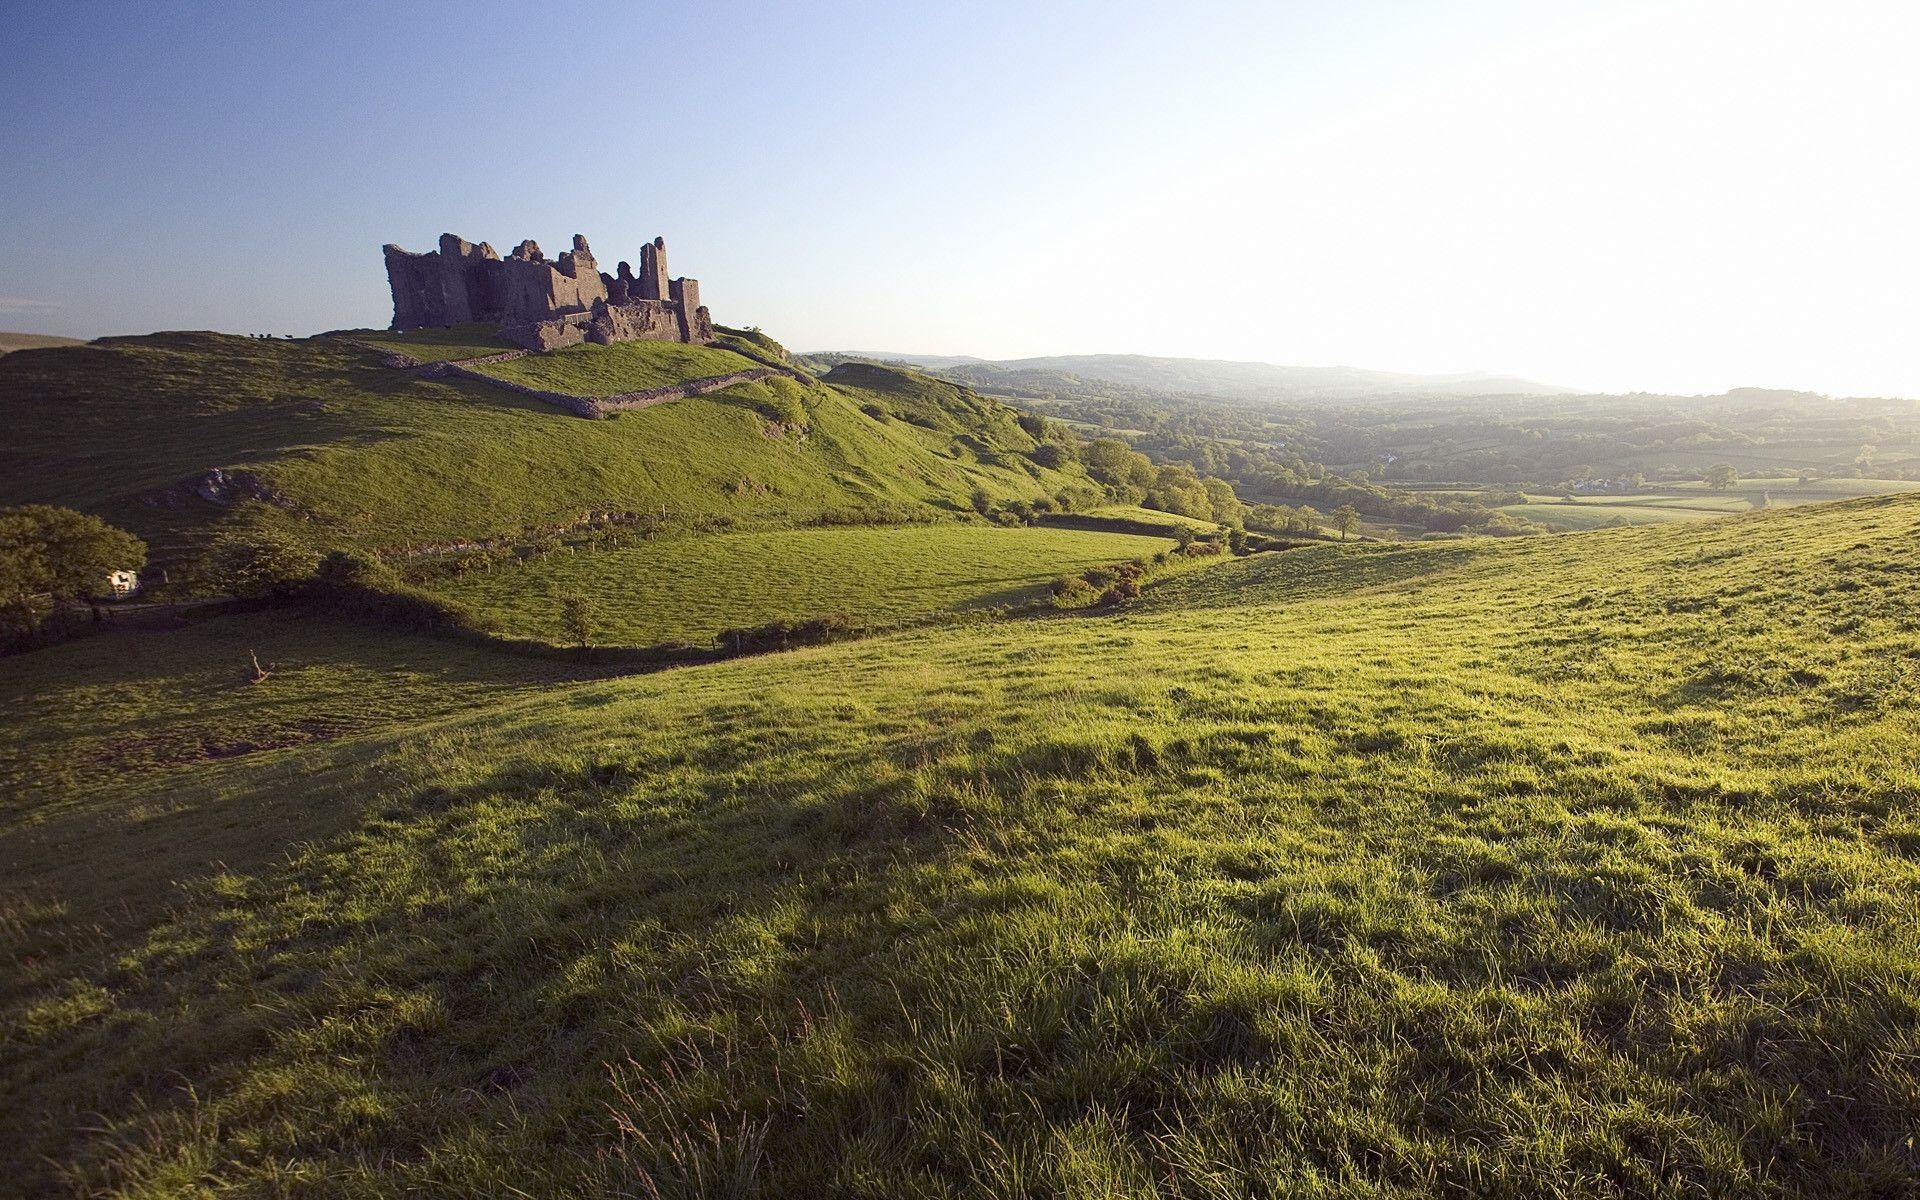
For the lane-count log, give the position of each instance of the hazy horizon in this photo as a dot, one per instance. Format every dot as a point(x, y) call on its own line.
point(1684, 197)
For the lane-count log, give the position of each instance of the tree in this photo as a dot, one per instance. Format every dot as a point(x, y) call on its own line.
point(257, 561)
point(577, 618)
point(1176, 490)
point(1114, 463)
point(1721, 476)
point(1227, 509)
point(1108, 460)
point(982, 503)
point(59, 553)
point(1346, 519)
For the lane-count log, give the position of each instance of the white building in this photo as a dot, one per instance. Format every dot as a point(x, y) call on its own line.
point(122, 583)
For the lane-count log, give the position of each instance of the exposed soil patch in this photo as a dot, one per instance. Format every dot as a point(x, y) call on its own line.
point(178, 746)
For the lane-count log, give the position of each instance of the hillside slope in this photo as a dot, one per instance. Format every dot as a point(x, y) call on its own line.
point(1583, 866)
point(317, 437)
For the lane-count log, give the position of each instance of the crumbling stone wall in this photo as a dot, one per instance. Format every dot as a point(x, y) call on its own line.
point(545, 305)
point(644, 320)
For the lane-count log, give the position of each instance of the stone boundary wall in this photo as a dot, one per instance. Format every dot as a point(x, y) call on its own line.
point(627, 401)
point(579, 406)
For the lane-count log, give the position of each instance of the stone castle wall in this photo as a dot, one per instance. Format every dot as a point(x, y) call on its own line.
point(545, 305)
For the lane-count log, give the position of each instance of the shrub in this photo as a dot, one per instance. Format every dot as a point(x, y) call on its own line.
point(577, 618)
point(257, 561)
point(781, 635)
point(1077, 497)
point(879, 514)
point(1051, 455)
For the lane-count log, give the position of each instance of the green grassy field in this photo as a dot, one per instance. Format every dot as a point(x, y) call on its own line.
point(1563, 515)
point(1696, 501)
point(1789, 491)
point(1134, 514)
point(687, 589)
point(1582, 866)
point(352, 454)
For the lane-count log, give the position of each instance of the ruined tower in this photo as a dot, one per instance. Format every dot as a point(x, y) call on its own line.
point(653, 270)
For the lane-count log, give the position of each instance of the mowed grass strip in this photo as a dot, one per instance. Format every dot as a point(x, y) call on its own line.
point(687, 589)
point(592, 370)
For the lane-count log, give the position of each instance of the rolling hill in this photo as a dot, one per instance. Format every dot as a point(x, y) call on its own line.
point(177, 434)
point(1574, 867)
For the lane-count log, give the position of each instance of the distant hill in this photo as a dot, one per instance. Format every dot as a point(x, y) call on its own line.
point(933, 361)
point(173, 435)
point(10, 342)
point(1210, 377)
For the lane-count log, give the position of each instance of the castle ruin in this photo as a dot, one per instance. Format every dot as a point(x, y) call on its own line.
point(545, 305)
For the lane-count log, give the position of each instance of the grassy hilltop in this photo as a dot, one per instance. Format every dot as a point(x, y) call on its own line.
point(1577, 866)
point(326, 444)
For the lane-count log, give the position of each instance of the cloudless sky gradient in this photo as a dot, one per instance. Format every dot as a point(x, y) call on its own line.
point(1679, 196)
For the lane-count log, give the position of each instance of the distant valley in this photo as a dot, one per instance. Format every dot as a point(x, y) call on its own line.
point(1206, 377)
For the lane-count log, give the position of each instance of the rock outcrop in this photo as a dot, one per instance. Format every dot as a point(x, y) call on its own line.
point(545, 305)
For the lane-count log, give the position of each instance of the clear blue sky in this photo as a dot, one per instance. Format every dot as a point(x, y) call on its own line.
point(1684, 195)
